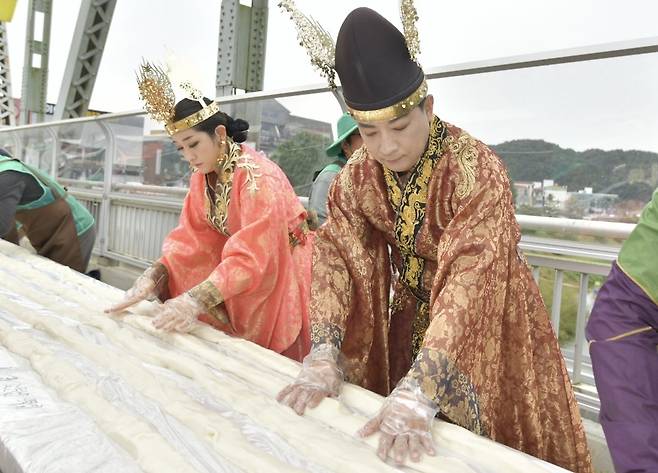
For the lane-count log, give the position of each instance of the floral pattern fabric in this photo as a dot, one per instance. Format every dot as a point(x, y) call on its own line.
point(243, 258)
point(488, 355)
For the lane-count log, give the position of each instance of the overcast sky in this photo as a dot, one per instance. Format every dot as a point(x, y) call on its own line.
point(599, 104)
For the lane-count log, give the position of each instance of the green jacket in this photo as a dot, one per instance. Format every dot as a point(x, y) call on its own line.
point(81, 216)
point(638, 257)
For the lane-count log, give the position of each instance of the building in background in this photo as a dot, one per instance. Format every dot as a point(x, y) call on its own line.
point(279, 125)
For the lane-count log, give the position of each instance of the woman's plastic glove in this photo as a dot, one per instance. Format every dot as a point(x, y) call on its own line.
point(146, 286)
point(179, 314)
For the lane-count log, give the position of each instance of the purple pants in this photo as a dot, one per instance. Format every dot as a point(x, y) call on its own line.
point(626, 371)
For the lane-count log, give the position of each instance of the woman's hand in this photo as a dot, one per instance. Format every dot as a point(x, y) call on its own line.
point(179, 314)
point(146, 286)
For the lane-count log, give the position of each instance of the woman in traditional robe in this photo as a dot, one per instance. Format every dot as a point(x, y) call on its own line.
point(240, 258)
point(467, 335)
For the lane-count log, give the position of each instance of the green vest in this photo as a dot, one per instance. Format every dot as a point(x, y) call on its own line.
point(81, 216)
point(638, 257)
point(333, 167)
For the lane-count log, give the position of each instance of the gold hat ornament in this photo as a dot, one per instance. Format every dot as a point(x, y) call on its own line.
point(317, 42)
point(157, 93)
point(322, 51)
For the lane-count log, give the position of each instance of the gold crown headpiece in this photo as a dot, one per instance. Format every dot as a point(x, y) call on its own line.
point(157, 93)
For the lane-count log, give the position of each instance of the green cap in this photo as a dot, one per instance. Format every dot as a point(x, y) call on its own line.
point(345, 127)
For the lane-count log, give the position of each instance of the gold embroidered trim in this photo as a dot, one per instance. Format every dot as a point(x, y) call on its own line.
point(465, 151)
point(409, 205)
point(298, 236)
point(644, 289)
point(206, 294)
point(218, 199)
point(250, 167)
point(451, 389)
point(218, 313)
point(420, 325)
point(325, 332)
point(391, 112)
point(358, 156)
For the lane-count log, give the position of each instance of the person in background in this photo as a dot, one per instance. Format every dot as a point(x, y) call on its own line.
point(56, 224)
point(240, 258)
point(348, 141)
point(623, 334)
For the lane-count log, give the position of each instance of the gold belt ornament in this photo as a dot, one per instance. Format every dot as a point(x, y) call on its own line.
point(298, 235)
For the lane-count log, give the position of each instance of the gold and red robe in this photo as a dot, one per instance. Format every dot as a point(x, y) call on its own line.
point(467, 320)
point(243, 244)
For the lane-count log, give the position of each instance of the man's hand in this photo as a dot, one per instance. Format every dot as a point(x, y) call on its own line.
point(320, 377)
point(405, 424)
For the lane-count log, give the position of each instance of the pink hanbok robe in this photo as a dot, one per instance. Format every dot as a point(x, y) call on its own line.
point(243, 248)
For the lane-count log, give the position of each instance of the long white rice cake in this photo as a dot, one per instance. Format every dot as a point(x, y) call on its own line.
point(200, 402)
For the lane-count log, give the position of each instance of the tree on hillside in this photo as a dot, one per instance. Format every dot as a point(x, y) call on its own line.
point(575, 208)
point(630, 174)
point(300, 157)
point(641, 191)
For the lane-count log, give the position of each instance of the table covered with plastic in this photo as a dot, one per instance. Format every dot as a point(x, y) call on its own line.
point(84, 392)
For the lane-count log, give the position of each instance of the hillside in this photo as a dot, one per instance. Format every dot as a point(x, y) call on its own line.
point(633, 175)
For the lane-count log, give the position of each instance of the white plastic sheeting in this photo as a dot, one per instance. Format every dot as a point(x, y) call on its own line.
point(81, 392)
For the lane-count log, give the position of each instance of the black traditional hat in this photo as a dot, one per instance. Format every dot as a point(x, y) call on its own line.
point(380, 79)
point(376, 63)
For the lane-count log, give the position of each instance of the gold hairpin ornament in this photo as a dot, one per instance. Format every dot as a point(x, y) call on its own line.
point(157, 93)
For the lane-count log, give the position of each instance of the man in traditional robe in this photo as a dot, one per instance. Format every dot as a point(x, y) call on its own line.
point(467, 334)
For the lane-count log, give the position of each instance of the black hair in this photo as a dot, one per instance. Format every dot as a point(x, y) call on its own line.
point(235, 128)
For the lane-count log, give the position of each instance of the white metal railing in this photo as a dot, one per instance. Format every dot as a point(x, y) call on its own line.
point(580, 227)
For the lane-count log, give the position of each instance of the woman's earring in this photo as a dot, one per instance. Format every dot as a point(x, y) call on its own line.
point(221, 159)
